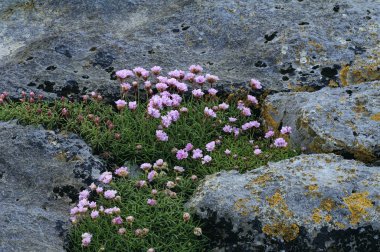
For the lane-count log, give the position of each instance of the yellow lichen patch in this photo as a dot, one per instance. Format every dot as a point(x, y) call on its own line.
point(376, 117)
point(343, 75)
point(286, 232)
point(327, 204)
point(357, 203)
point(269, 120)
point(278, 202)
point(339, 225)
point(333, 84)
point(260, 180)
point(316, 216)
point(61, 156)
point(312, 187)
point(328, 218)
point(241, 207)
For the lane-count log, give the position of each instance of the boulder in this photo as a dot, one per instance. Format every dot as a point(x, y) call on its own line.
point(318, 202)
point(41, 173)
point(340, 120)
point(72, 47)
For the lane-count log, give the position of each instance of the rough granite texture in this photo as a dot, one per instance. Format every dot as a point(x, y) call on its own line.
point(71, 47)
point(41, 174)
point(341, 120)
point(318, 202)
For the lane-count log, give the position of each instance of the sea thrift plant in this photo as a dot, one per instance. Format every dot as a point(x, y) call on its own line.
point(168, 129)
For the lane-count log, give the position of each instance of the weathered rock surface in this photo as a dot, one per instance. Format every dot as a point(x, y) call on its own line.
point(341, 120)
point(318, 202)
point(72, 47)
point(40, 175)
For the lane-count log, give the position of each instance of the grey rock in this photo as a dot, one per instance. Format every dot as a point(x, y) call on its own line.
point(72, 47)
point(318, 202)
point(341, 120)
point(41, 173)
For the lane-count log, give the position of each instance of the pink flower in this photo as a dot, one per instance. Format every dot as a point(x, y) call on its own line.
point(179, 169)
point(280, 142)
point(186, 217)
point(145, 166)
point(94, 214)
point(121, 231)
point(197, 153)
point(182, 154)
point(257, 151)
point(151, 202)
point(255, 84)
point(86, 239)
point(122, 74)
point(286, 130)
point(175, 74)
point(154, 112)
point(117, 220)
point(156, 70)
point(141, 183)
point(211, 78)
point(174, 114)
point(120, 104)
point(209, 112)
point(105, 177)
point(200, 79)
point(176, 100)
point(170, 184)
point(246, 111)
point(252, 99)
point(227, 129)
point(92, 186)
point(166, 121)
point(206, 159)
point(189, 147)
point(151, 175)
point(132, 105)
point(250, 124)
point(162, 136)
point(92, 204)
point(147, 85)
point(232, 119)
point(125, 87)
point(138, 71)
point(197, 93)
point(184, 110)
point(84, 194)
point(223, 106)
point(210, 146)
point(161, 87)
point(269, 134)
point(195, 69)
point(189, 77)
point(99, 190)
point(212, 91)
point(110, 194)
point(122, 171)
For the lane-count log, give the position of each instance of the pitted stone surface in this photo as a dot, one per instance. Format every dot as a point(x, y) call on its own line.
point(341, 120)
point(73, 47)
point(41, 173)
point(318, 202)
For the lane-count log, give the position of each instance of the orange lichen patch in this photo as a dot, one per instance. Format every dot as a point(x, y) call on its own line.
point(318, 47)
point(343, 75)
point(364, 73)
point(316, 216)
point(376, 117)
point(339, 225)
point(327, 204)
point(328, 218)
point(360, 108)
point(241, 207)
point(287, 232)
point(357, 203)
point(278, 202)
point(260, 180)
